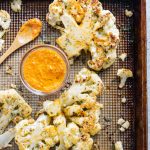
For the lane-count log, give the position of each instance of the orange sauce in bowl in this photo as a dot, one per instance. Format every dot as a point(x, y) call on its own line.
point(44, 69)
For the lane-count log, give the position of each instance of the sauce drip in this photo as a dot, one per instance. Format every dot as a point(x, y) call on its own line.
point(44, 70)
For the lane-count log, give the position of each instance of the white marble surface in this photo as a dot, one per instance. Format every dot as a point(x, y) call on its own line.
point(148, 66)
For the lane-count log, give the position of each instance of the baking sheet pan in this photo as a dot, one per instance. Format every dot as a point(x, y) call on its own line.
point(113, 108)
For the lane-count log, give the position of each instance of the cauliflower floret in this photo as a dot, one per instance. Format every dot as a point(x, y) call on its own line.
point(118, 145)
point(12, 105)
point(83, 103)
point(71, 135)
point(88, 120)
point(16, 5)
point(56, 9)
point(37, 134)
point(76, 10)
point(6, 137)
point(123, 56)
point(86, 82)
point(4, 25)
point(128, 13)
point(86, 26)
point(53, 108)
point(120, 121)
point(103, 47)
point(72, 110)
point(126, 125)
point(4, 19)
point(60, 122)
point(85, 143)
point(86, 125)
point(124, 74)
point(101, 59)
point(123, 100)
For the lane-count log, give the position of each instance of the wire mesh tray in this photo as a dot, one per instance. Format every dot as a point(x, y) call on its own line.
point(113, 108)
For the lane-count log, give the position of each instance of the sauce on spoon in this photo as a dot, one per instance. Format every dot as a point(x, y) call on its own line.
point(30, 30)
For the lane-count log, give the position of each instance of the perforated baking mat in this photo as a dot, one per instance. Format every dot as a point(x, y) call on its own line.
point(113, 108)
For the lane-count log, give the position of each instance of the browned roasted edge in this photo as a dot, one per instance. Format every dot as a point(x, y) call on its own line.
point(140, 75)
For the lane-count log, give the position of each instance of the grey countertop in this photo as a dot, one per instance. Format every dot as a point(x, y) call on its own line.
point(148, 66)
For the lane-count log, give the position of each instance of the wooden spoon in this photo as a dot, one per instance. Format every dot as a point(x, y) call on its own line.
point(28, 32)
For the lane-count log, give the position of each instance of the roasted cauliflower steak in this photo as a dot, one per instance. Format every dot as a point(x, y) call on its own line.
point(67, 122)
point(85, 25)
point(12, 108)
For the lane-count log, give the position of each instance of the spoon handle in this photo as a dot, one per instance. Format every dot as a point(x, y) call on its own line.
point(15, 45)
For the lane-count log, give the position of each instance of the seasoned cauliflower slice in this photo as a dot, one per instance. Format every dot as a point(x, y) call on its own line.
point(86, 82)
point(37, 134)
point(85, 25)
point(12, 106)
point(16, 5)
point(124, 74)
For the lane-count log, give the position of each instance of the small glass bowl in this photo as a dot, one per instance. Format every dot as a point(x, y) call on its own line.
point(51, 47)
